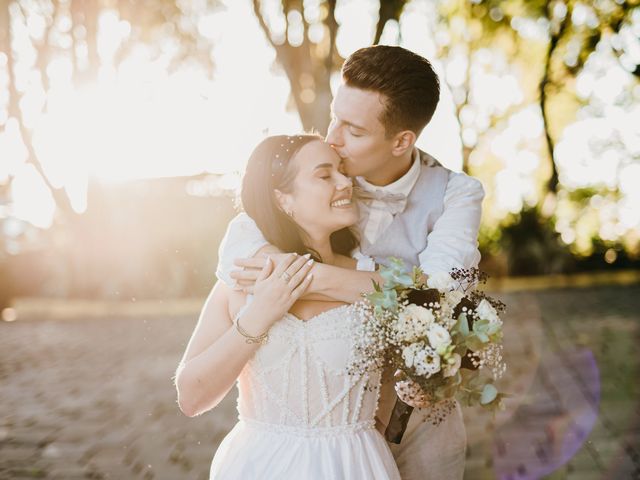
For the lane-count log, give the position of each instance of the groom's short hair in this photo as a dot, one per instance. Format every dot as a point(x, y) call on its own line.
point(407, 81)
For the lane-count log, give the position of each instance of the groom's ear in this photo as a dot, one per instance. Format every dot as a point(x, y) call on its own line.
point(403, 141)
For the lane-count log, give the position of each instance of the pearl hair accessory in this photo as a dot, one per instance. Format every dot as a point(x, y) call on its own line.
point(285, 147)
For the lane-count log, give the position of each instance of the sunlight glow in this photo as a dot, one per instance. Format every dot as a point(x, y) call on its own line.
point(32, 198)
point(141, 122)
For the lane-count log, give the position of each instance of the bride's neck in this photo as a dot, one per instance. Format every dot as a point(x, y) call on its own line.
point(322, 245)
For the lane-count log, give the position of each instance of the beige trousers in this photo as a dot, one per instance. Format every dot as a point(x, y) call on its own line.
point(427, 452)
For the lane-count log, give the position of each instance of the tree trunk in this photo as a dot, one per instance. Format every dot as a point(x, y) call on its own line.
point(308, 70)
point(546, 82)
point(388, 10)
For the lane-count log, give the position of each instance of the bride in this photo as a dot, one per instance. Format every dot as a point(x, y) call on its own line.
point(300, 414)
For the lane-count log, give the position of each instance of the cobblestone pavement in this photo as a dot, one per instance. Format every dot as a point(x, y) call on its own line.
point(93, 397)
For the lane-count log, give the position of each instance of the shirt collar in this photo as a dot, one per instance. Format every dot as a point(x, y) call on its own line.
point(403, 185)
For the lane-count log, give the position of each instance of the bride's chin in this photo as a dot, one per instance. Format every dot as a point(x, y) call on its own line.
point(345, 222)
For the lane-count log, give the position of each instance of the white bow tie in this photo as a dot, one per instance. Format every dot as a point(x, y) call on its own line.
point(393, 202)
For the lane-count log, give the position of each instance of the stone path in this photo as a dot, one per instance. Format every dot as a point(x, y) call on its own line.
point(93, 397)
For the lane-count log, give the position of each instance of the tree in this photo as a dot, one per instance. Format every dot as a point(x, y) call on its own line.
point(304, 38)
point(71, 30)
point(546, 46)
point(574, 31)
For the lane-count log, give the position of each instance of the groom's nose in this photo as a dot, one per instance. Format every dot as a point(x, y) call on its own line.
point(333, 136)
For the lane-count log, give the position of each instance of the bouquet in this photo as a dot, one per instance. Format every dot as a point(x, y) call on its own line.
point(442, 338)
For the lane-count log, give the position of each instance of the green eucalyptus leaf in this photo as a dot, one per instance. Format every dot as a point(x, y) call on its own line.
point(389, 300)
point(493, 328)
point(480, 325)
point(463, 324)
point(489, 393)
point(483, 337)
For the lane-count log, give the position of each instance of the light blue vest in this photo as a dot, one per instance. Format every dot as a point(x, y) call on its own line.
point(407, 235)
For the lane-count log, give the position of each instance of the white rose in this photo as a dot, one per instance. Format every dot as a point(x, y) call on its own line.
point(412, 323)
point(426, 361)
point(409, 353)
point(423, 315)
point(486, 312)
point(438, 336)
point(450, 369)
point(441, 281)
point(404, 329)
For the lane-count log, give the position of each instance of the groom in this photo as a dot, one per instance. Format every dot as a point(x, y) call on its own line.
point(412, 208)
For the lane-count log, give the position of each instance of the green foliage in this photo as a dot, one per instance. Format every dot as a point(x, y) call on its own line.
point(395, 278)
point(533, 246)
point(489, 393)
point(395, 274)
point(463, 325)
point(386, 298)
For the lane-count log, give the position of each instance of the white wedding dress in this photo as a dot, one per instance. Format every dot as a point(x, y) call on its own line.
point(301, 415)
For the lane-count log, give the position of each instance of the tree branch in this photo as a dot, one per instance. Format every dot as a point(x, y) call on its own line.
point(60, 197)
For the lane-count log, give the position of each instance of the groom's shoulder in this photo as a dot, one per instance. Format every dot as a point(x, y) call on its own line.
point(428, 160)
point(459, 181)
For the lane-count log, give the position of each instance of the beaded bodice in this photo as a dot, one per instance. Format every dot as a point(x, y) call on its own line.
point(299, 381)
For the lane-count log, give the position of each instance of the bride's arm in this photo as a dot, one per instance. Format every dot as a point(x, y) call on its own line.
point(215, 355)
point(217, 352)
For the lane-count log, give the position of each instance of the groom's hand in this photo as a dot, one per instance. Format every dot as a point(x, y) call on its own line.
point(247, 275)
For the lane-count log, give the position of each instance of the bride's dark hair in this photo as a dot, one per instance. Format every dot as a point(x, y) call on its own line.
point(270, 168)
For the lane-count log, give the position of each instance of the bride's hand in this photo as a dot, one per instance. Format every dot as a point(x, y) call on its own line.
point(279, 286)
point(247, 276)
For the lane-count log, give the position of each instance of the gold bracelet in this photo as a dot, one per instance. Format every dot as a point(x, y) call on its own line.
point(262, 339)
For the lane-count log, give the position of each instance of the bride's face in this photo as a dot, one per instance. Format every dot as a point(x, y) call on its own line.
point(320, 198)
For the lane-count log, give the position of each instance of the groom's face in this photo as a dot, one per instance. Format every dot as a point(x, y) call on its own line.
point(357, 134)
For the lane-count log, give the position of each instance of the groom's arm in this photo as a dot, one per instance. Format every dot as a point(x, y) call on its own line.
point(453, 242)
point(341, 284)
point(329, 283)
point(244, 246)
point(243, 239)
